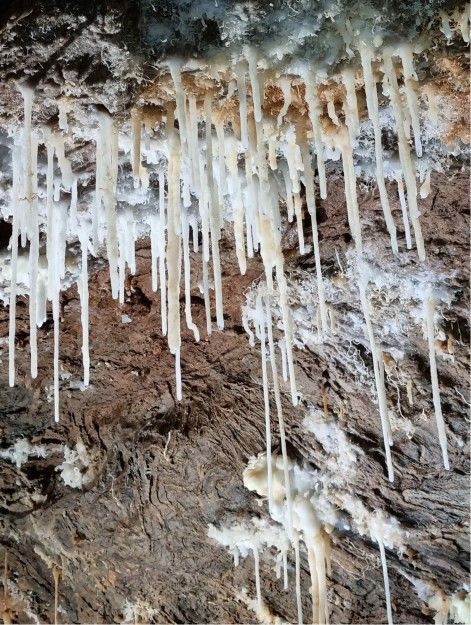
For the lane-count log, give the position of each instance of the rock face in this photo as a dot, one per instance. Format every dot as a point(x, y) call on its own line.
point(119, 494)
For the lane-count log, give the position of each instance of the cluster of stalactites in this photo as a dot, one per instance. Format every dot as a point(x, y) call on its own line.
point(217, 161)
point(294, 525)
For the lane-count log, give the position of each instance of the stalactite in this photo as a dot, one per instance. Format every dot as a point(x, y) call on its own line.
point(193, 143)
point(405, 215)
point(351, 103)
point(33, 260)
point(429, 314)
point(108, 149)
point(311, 206)
point(257, 96)
point(410, 78)
point(273, 259)
point(136, 127)
point(331, 112)
point(266, 400)
point(64, 106)
point(211, 182)
point(285, 85)
point(345, 146)
point(379, 380)
point(308, 523)
point(221, 160)
point(28, 195)
point(237, 206)
point(174, 245)
point(154, 249)
point(162, 254)
point(65, 166)
point(213, 215)
point(240, 70)
point(408, 168)
point(55, 295)
point(299, 604)
point(285, 570)
point(187, 277)
point(256, 558)
point(387, 592)
point(49, 205)
point(271, 135)
point(281, 421)
point(314, 117)
point(367, 56)
point(175, 71)
point(207, 304)
point(83, 293)
point(289, 192)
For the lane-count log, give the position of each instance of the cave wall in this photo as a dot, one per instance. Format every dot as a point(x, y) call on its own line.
point(131, 541)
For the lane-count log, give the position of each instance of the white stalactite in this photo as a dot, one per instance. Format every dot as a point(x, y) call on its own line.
point(83, 293)
point(257, 96)
point(266, 400)
point(429, 319)
point(314, 107)
point(367, 57)
point(408, 166)
point(311, 206)
point(410, 80)
point(33, 259)
point(16, 208)
point(162, 254)
point(387, 591)
point(405, 214)
point(256, 558)
point(285, 86)
point(214, 217)
point(281, 421)
point(174, 246)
